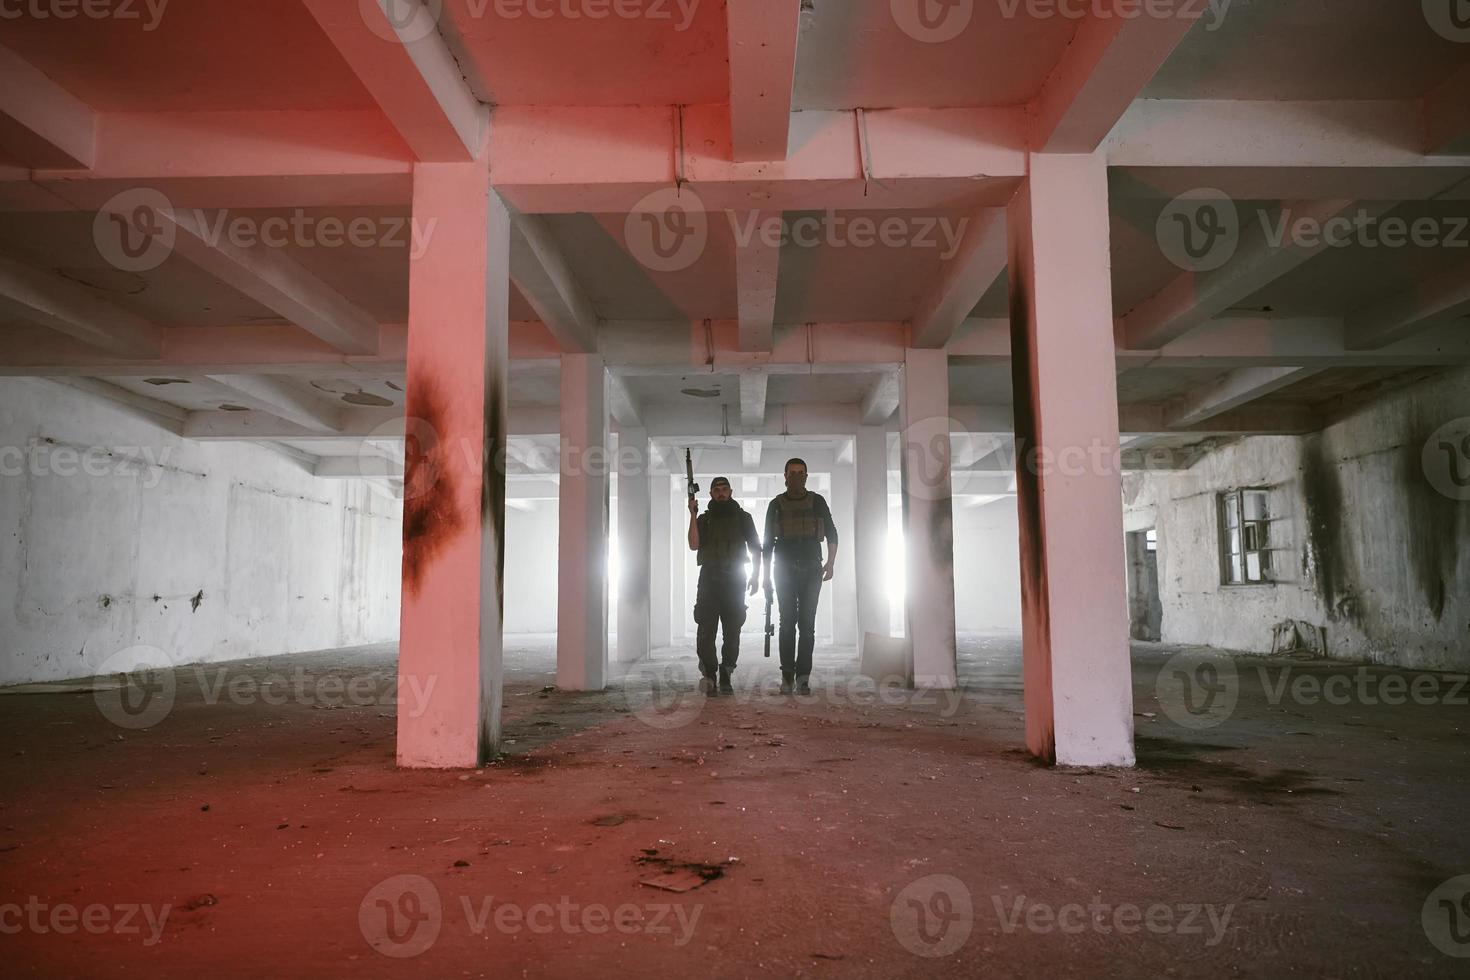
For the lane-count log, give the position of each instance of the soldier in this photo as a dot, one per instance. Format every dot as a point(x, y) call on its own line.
point(796, 524)
point(722, 536)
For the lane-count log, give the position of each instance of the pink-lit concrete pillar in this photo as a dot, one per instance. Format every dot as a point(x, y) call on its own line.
point(454, 494)
point(869, 547)
point(634, 546)
point(928, 517)
point(844, 579)
point(1074, 601)
point(581, 615)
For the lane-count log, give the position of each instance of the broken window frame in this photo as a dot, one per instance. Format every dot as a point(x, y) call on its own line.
point(1254, 537)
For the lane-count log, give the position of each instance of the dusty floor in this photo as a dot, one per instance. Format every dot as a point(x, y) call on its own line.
point(260, 828)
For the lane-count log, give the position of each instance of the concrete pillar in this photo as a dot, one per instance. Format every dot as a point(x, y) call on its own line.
point(454, 493)
point(1074, 601)
point(634, 545)
point(928, 517)
point(660, 575)
point(581, 616)
point(844, 579)
point(868, 542)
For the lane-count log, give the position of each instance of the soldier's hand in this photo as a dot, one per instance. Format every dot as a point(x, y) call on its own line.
point(693, 507)
point(827, 572)
point(755, 586)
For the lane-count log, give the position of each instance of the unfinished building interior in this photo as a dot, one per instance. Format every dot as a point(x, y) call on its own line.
point(357, 358)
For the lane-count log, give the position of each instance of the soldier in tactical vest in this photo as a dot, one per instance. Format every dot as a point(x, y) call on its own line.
point(723, 535)
point(797, 522)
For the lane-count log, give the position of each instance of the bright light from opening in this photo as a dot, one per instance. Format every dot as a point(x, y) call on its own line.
point(897, 583)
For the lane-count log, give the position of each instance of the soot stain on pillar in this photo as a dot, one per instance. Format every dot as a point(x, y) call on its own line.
point(1028, 439)
point(1433, 531)
point(492, 484)
point(1326, 543)
point(430, 519)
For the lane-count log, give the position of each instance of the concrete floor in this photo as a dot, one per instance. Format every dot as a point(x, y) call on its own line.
point(851, 835)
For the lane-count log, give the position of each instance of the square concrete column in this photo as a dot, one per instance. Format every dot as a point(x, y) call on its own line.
point(634, 545)
point(928, 517)
point(844, 578)
point(660, 585)
point(1074, 599)
point(870, 532)
point(454, 493)
point(581, 615)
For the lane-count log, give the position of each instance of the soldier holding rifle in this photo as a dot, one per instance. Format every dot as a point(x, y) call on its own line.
point(723, 536)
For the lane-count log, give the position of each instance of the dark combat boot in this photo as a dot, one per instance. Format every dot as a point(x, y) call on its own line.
point(725, 686)
point(707, 685)
point(803, 686)
point(788, 679)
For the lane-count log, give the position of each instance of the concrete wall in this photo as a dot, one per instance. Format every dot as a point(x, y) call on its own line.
point(987, 566)
point(530, 567)
point(115, 534)
point(1365, 544)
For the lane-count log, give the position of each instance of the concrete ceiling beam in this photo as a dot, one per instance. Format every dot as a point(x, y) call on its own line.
point(542, 274)
point(41, 124)
point(411, 73)
point(963, 280)
point(77, 312)
point(762, 47)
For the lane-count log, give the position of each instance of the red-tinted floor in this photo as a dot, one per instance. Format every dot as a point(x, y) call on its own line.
point(260, 829)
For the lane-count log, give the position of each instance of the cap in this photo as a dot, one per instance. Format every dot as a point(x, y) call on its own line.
point(717, 481)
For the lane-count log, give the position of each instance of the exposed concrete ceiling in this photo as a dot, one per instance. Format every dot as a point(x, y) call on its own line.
point(294, 333)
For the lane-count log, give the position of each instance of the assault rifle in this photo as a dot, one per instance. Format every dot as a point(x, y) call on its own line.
point(770, 627)
point(689, 473)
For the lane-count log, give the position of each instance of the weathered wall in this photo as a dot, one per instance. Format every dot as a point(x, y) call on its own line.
point(115, 534)
point(987, 566)
point(1367, 546)
point(530, 573)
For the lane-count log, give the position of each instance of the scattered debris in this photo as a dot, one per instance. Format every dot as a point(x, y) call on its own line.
point(611, 820)
point(199, 902)
point(461, 863)
point(1298, 637)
